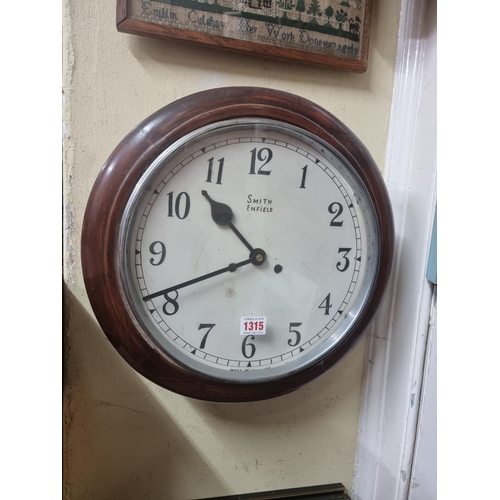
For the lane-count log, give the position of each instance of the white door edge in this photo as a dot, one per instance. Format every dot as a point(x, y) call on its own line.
point(423, 483)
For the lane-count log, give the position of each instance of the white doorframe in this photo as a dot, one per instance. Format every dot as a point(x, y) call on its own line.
point(394, 366)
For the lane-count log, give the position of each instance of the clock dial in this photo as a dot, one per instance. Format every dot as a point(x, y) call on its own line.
point(236, 244)
point(248, 219)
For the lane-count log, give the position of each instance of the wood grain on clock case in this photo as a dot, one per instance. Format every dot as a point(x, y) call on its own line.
point(115, 183)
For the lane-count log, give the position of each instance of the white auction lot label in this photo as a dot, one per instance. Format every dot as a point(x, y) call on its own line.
point(253, 325)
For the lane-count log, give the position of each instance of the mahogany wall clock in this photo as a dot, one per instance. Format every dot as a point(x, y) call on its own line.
point(236, 244)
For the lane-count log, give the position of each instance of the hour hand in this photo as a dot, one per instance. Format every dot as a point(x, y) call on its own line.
point(223, 215)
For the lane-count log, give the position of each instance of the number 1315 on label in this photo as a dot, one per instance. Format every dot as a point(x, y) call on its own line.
point(253, 325)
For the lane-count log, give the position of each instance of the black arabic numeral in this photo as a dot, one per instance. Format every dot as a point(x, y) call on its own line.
point(219, 171)
point(346, 262)
point(204, 339)
point(248, 344)
point(326, 306)
point(336, 209)
point(173, 301)
point(265, 155)
point(297, 333)
point(178, 200)
point(162, 252)
point(304, 173)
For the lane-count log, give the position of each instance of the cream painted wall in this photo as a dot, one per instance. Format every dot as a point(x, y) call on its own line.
point(124, 437)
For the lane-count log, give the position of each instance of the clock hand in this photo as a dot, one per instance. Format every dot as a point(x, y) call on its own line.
point(223, 215)
point(257, 258)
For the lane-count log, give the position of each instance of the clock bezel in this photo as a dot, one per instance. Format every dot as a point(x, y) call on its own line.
point(124, 169)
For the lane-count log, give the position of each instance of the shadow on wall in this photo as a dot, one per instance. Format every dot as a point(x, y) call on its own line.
point(120, 443)
point(228, 65)
point(126, 438)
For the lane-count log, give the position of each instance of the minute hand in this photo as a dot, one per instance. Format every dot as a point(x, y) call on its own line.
point(230, 268)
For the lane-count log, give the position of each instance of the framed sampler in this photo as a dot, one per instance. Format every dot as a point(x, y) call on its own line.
point(332, 33)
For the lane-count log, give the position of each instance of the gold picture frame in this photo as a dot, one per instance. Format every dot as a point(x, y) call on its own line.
point(332, 33)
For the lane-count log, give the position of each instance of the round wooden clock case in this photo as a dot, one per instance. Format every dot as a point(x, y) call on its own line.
point(236, 244)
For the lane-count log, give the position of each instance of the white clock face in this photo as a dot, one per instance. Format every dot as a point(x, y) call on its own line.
point(287, 211)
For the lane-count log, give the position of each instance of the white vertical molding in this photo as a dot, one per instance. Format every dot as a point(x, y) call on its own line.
point(397, 340)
